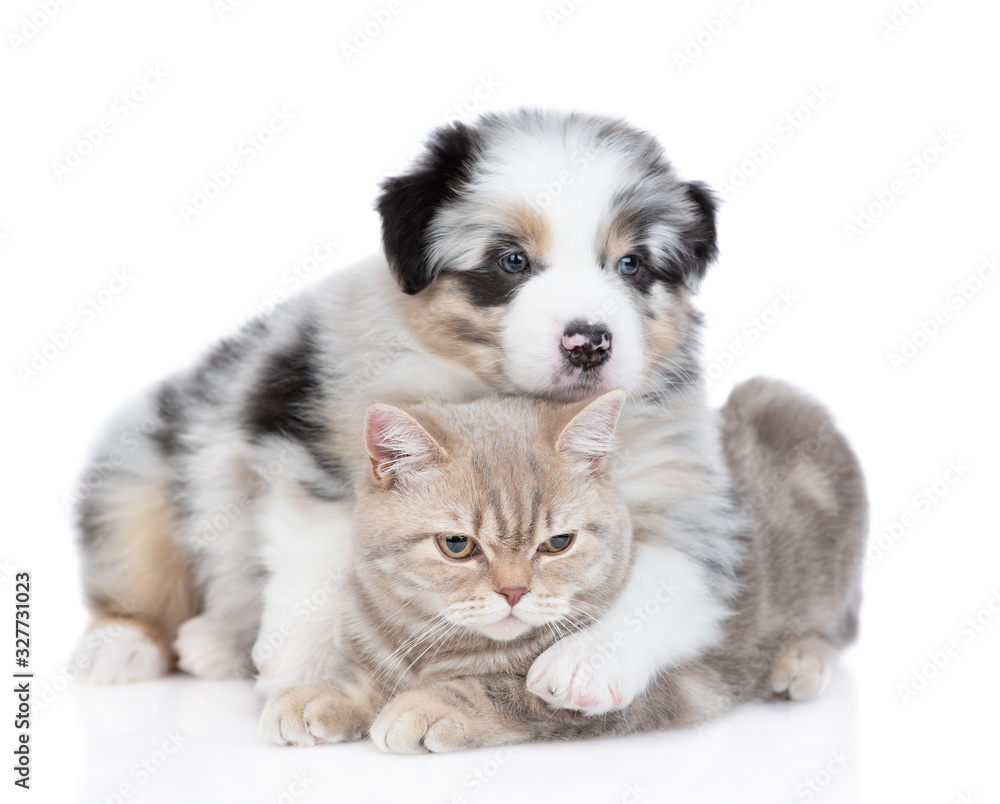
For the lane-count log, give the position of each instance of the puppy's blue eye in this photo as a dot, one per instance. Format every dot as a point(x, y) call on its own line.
point(514, 262)
point(628, 265)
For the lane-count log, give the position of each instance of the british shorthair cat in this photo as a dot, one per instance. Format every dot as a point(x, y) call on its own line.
point(487, 531)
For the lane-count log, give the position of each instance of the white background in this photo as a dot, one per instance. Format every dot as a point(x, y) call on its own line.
point(357, 118)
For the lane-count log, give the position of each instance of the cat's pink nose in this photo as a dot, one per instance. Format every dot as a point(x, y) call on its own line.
point(513, 594)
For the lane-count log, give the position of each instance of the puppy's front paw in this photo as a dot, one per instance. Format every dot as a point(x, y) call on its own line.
point(310, 715)
point(418, 722)
point(573, 674)
point(206, 650)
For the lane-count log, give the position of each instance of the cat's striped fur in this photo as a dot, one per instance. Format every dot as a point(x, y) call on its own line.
point(425, 662)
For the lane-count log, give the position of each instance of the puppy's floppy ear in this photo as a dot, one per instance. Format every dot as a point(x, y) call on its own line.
point(408, 203)
point(701, 245)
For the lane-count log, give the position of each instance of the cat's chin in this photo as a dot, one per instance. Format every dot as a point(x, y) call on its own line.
point(507, 629)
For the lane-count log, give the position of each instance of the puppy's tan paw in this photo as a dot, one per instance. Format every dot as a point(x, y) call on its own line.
point(310, 715)
point(803, 671)
point(419, 722)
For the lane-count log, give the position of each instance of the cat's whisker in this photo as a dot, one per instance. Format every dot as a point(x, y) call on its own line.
point(434, 655)
point(432, 627)
point(440, 638)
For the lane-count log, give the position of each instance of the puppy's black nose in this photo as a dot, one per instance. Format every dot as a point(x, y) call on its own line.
point(586, 346)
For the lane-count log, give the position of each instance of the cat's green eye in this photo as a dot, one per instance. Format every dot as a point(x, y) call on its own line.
point(556, 544)
point(456, 546)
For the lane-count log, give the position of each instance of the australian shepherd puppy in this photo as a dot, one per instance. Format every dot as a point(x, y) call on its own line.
point(533, 253)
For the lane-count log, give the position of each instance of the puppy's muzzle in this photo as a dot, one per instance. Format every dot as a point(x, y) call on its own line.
point(586, 346)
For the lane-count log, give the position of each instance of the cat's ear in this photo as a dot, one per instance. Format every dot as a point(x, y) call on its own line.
point(397, 443)
point(591, 432)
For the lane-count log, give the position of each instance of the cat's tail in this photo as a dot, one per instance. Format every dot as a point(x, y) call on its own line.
point(802, 484)
point(137, 582)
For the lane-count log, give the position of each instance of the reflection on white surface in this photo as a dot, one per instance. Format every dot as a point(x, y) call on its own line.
point(180, 739)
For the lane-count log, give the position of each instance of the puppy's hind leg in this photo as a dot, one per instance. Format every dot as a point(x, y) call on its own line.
point(120, 649)
point(138, 584)
point(215, 644)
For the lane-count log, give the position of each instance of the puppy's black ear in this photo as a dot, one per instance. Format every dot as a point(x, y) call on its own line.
point(408, 203)
point(700, 238)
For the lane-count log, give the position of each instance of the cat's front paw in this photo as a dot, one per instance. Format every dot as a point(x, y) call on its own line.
point(311, 715)
point(574, 674)
point(419, 722)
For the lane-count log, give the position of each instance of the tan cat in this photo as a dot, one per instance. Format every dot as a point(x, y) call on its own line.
point(487, 531)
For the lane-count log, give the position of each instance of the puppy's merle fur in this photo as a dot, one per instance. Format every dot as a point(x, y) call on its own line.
point(534, 253)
